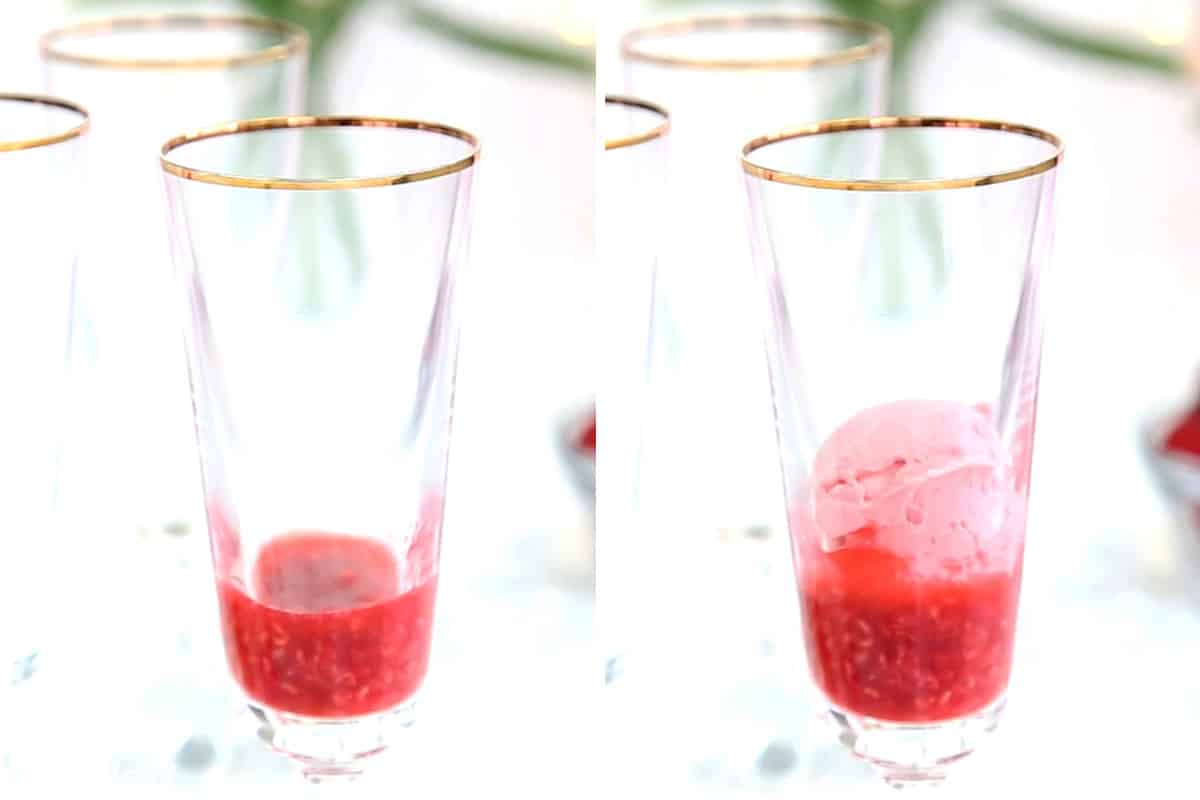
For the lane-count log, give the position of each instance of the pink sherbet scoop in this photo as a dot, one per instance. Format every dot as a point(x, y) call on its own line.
point(928, 480)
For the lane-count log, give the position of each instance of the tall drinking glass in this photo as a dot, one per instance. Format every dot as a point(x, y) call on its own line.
point(905, 413)
point(133, 475)
point(41, 178)
point(629, 213)
point(146, 79)
point(726, 79)
point(323, 409)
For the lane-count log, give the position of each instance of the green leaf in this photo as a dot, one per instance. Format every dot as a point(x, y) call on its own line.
point(1106, 48)
point(321, 20)
point(481, 37)
point(906, 19)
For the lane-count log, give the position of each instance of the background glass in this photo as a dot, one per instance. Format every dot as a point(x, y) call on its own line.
point(629, 219)
point(146, 79)
point(42, 163)
point(132, 471)
point(712, 493)
point(323, 413)
point(726, 79)
point(910, 622)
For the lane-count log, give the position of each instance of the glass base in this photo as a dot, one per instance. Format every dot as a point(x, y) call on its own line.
point(914, 754)
point(333, 750)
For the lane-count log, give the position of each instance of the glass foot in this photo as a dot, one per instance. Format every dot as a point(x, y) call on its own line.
point(909, 755)
point(333, 750)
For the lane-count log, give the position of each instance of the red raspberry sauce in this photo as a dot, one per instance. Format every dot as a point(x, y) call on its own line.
point(885, 644)
point(1184, 437)
point(586, 441)
point(328, 632)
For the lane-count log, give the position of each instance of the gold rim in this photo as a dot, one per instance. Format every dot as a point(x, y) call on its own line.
point(656, 132)
point(279, 123)
point(883, 123)
point(294, 41)
point(55, 138)
point(878, 40)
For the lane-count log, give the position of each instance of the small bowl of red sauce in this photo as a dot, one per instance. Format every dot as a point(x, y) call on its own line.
point(1172, 446)
point(578, 445)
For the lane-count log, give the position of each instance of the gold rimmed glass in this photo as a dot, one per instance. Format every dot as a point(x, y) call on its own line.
point(725, 79)
point(323, 308)
point(174, 42)
point(133, 482)
point(42, 164)
point(758, 42)
point(905, 398)
point(145, 79)
point(629, 122)
point(630, 184)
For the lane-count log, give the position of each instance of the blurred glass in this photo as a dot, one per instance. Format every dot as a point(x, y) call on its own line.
point(709, 485)
point(146, 79)
point(726, 79)
point(42, 163)
point(629, 220)
point(131, 478)
point(323, 413)
point(906, 422)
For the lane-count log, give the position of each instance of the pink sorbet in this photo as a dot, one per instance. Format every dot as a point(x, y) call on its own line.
point(927, 480)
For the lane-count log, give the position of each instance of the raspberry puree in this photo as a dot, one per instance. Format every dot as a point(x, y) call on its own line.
point(888, 644)
point(328, 630)
point(908, 543)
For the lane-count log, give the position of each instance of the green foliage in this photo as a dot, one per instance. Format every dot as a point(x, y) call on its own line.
point(322, 19)
point(511, 46)
point(1104, 48)
point(906, 19)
